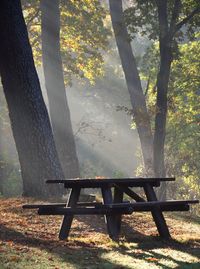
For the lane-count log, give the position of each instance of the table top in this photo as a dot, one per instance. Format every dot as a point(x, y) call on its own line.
point(111, 182)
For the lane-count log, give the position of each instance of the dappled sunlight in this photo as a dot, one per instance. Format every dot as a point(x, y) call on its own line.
point(159, 258)
point(27, 238)
point(99, 134)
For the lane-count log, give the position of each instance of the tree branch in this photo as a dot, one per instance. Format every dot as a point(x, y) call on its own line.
point(175, 14)
point(147, 87)
point(28, 23)
point(187, 19)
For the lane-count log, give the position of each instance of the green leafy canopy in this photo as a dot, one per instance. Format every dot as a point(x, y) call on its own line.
point(83, 36)
point(142, 18)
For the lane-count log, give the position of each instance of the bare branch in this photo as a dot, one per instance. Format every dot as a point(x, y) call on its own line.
point(147, 87)
point(175, 14)
point(30, 20)
point(187, 19)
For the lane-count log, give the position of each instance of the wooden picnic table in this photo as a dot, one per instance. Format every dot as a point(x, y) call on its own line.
point(113, 205)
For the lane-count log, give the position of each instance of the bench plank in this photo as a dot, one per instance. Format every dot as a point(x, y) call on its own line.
point(70, 212)
point(116, 204)
point(108, 211)
point(35, 206)
point(117, 209)
point(153, 203)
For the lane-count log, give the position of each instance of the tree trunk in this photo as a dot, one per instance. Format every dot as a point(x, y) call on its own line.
point(133, 83)
point(161, 115)
point(161, 102)
point(1, 160)
point(58, 105)
point(1, 146)
point(28, 114)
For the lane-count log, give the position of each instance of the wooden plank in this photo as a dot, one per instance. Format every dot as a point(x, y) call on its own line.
point(110, 220)
point(166, 208)
point(117, 201)
point(114, 209)
point(69, 211)
point(171, 208)
point(89, 204)
point(157, 213)
point(154, 203)
point(110, 182)
point(35, 206)
point(67, 220)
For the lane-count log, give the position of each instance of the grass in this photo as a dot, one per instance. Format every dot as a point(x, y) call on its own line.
point(30, 241)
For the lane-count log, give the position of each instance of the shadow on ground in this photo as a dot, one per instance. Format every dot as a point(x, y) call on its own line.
point(89, 255)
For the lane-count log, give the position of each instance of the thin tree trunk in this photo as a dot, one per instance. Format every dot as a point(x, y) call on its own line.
point(160, 119)
point(58, 105)
point(133, 83)
point(162, 89)
point(28, 114)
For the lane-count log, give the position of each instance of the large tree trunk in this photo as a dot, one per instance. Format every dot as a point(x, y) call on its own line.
point(28, 114)
point(58, 105)
point(162, 89)
point(1, 147)
point(1, 159)
point(133, 83)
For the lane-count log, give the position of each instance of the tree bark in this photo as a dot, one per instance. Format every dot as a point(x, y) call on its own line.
point(1, 146)
point(165, 43)
point(1, 160)
point(133, 84)
point(28, 114)
point(58, 105)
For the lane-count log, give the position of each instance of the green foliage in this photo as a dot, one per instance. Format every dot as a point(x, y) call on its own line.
point(183, 125)
point(83, 36)
point(137, 20)
point(183, 135)
point(142, 18)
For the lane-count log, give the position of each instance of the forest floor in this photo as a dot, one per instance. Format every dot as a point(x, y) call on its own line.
point(30, 241)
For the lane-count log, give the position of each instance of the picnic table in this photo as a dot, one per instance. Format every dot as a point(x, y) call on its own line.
point(113, 205)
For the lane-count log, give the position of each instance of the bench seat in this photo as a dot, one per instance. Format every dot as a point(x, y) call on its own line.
point(35, 206)
point(109, 209)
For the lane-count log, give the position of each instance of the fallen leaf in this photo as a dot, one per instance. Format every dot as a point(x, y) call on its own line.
point(50, 259)
point(152, 259)
point(14, 258)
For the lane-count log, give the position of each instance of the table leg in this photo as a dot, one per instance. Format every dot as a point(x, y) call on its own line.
point(118, 198)
point(67, 220)
point(157, 213)
point(110, 219)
